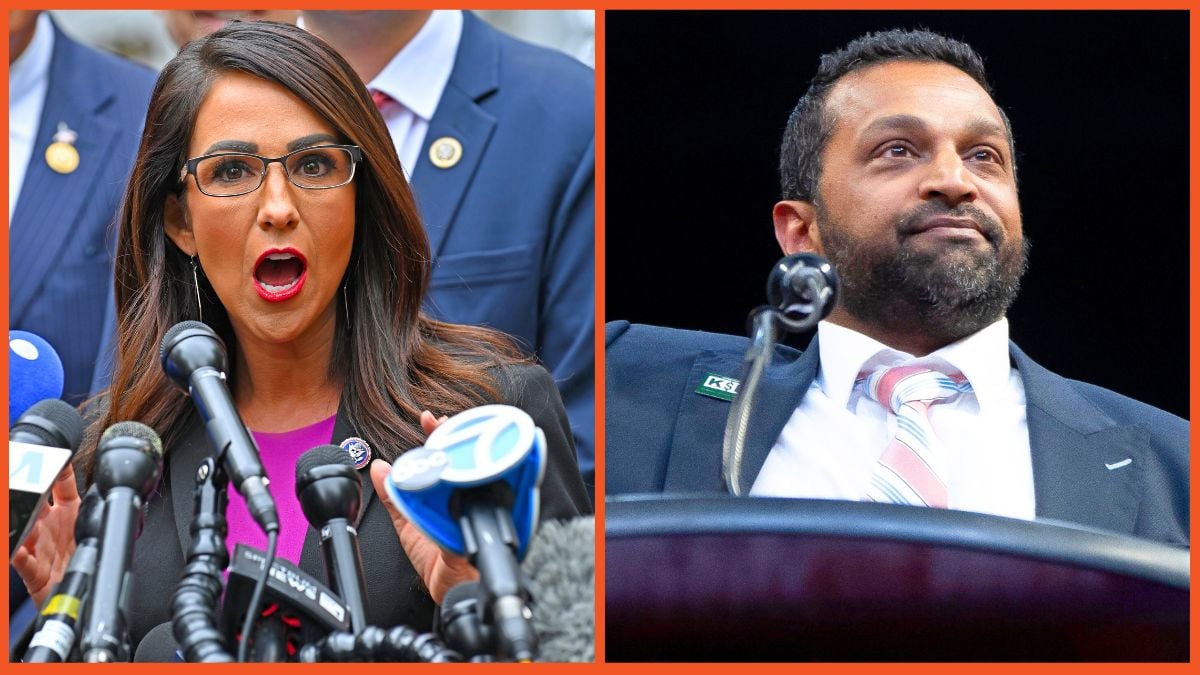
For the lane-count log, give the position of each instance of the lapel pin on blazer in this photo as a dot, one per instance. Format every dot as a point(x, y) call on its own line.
point(62, 156)
point(718, 386)
point(445, 152)
point(359, 451)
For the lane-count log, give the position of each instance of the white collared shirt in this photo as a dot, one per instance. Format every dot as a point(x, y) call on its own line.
point(416, 77)
point(28, 81)
point(829, 447)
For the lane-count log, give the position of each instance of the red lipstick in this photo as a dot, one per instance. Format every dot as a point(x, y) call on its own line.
point(279, 274)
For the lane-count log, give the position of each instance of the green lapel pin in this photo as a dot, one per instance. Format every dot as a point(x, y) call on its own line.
point(718, 386)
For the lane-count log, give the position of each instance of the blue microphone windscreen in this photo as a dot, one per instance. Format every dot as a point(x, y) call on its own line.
point(35, 372)
point(480, 446)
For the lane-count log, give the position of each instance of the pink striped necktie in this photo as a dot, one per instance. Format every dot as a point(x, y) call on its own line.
point(912, 469)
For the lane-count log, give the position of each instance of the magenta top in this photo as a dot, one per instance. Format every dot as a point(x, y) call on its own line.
point(279, 454)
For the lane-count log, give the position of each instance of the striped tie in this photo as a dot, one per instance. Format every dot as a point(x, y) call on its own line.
point(912, 467)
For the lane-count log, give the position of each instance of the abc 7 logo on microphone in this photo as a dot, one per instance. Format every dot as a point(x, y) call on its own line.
point(472, 447)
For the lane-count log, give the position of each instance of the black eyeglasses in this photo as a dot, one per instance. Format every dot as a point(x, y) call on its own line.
point(230, 174)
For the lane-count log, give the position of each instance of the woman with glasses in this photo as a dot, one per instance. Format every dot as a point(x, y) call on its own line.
point(267, 201)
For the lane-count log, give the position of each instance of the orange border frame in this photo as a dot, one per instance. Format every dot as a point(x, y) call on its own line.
point(600, 6)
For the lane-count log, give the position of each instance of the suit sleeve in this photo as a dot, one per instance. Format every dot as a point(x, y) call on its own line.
point(568, 319)
point(531, 389)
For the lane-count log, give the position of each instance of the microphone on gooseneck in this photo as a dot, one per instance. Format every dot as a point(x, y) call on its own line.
point(459, 623)
point(193, 357)
point(473, 489)
point(802, 289)
point(194, 620)
point(35, 372)
point(55, 636)
point(128, 466)
point(330, 494)
point(39, 445)
point(562, 569)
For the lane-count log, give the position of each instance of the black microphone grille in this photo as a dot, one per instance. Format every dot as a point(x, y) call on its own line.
point(322, 455)
point(182, 354)
point(135, 430)
point(804, 288)
point(178, 329)
point(55, 421)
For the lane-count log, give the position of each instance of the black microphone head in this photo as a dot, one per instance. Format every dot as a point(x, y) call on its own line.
point(130, 455)
point(158, 646)
point(56, 422)
point(90, 521)
point(188, 346)
point(804, 287)
point(460, 621)
point(327, 485)
point(466, 591)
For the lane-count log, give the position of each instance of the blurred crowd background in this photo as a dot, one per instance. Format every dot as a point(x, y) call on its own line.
point(150, 36)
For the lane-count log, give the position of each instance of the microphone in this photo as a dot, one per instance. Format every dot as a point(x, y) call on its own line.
point(128, 466)
point(459, 622)
point(562, 569)
point(306, 607)
point(158, 646)
point(193, 357)
point(473, 489)
point(35, 372)
point(804, 288)
point(39, 445)
point(55, 636)
point(330, 494)
point(561, 566)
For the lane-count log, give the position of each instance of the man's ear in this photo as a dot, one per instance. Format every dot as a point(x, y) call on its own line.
point(177, 227)
point(796, 228)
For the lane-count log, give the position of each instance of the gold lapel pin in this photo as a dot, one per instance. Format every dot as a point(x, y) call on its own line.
point(445, 152)
point(61, 156)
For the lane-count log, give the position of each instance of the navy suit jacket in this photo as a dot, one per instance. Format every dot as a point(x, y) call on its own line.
point(662, 436)
point(60, 242)
point(511, 225)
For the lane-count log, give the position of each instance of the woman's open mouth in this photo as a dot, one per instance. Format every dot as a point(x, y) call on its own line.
point(279, 274)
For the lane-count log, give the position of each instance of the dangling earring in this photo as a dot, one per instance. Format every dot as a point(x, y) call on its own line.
point(196, 283)
point(346, 305)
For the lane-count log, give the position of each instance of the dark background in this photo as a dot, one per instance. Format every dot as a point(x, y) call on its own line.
point(696, 103)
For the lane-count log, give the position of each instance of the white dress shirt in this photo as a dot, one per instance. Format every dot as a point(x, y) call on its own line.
point(28, 80)
point(829, 447)
point(416, 77)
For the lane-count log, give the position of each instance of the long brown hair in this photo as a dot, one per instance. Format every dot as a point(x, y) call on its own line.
point(395, 361)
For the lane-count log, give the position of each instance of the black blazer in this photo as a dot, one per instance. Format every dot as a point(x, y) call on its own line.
point(395, 593)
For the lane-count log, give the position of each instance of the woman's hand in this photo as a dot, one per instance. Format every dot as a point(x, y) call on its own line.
point(43, 556)
point(439, 570)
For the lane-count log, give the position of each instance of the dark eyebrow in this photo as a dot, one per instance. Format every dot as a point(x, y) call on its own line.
point(979, 126)
point(910, 123)
point(982, 126)
point(311, 140)
point(246, 146)
point(231, 146)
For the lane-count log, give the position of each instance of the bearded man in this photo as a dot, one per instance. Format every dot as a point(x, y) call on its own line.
point(898, 166)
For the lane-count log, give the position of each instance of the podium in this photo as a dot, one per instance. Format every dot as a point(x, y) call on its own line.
point(717, 578)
